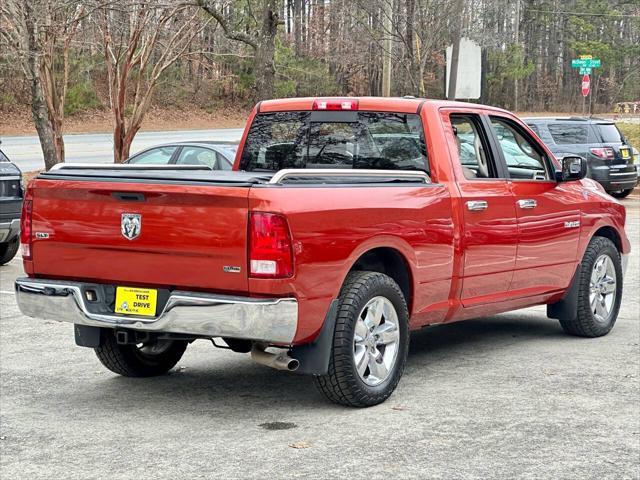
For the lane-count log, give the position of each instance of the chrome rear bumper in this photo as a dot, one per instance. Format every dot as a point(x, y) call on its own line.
point(269, 320)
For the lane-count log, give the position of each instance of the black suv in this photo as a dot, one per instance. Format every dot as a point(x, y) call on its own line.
point(610, 159)
point(11, 194)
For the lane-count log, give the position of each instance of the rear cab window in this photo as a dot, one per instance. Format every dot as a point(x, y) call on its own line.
point(344, 140)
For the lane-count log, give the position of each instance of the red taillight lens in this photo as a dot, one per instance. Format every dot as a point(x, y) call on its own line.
point(335, 104)
point(603, 152)
point(25, 224)
point(270, 252)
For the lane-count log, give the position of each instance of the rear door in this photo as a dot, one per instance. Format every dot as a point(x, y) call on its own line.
point(489, 214)
point(548, 213)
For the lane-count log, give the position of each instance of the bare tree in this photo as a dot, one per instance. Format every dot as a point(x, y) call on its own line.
point(261, 42)
point(39, 33)
point(140, 42)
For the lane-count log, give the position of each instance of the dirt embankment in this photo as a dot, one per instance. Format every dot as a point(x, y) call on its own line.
point(19, 121)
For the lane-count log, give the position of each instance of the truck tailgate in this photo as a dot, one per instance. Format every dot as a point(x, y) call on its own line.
point(191, 236)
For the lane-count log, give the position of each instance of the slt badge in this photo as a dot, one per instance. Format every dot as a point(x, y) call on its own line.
point(131, 225)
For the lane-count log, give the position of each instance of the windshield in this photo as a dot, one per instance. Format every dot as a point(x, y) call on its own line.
point(609, 133)
point(369, 140)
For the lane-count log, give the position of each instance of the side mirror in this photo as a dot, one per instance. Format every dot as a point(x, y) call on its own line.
point(573, 168)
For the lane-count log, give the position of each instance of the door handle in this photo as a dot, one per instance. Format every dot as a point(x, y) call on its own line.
point(527, 203)
point(477, 205)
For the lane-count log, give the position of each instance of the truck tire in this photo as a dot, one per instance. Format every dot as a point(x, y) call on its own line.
point(370, 341)
point(8, 250)
point(146, 360)
point(599, 291)
point(621, 193)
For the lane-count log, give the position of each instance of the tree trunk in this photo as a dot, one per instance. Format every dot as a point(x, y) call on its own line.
point(265, 52)
point(52, 147)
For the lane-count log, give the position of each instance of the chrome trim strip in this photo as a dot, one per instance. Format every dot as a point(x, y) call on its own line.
point(269, 320)
point(123, 166)
point(280, 175)
point(11, 177)
point(618, 174)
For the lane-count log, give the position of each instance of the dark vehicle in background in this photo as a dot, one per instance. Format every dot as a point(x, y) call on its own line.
point(215, 155)
point(610, 159)
point(11, 194)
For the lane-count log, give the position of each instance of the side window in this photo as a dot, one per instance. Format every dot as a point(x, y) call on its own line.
point(198, 156)
point(155, 156)
point(569, 133)
point(473, 151)
point(523, 157)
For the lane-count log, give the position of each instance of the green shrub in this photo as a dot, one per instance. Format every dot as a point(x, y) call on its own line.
point(80, 97)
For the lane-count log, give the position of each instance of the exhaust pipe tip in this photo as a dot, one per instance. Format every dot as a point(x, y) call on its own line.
point(279, 361)
point(293, 364)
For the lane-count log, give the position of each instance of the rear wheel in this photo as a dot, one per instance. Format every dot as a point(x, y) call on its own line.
point(8, 250)
point(622, 193)
point(143, 360)
point(599, 291)
point(370, 341)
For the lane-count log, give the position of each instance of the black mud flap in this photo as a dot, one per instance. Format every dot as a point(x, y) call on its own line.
point(567, 307)
point(314, 357)
point(88, 336)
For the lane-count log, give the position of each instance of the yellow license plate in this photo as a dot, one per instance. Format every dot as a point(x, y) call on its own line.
point(624, 152)
point(136, 301)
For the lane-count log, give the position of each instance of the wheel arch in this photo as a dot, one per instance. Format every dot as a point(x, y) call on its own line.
point(389, 261)
point(611, 233)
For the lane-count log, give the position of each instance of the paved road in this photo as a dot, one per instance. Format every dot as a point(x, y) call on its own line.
point(510, 396)
point(98, 147)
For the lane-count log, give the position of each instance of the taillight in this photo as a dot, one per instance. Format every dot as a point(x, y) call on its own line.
point(335, 104)
point(603, 152)
point(270, 246)
point(25, 224)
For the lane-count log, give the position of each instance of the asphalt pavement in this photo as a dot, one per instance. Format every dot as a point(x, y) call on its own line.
point(509, 396)
point(25, 151)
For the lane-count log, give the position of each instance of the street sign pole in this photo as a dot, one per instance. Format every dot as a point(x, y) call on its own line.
point(585, 65)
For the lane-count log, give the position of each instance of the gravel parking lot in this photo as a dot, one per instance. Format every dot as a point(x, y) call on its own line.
point(509, 396)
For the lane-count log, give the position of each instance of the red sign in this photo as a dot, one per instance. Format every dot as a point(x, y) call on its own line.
point(586, 85)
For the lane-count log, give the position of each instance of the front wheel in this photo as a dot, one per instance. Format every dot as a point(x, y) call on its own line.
point(621, 193)
point(370, 341)
point(142, 360)
point(599, 291)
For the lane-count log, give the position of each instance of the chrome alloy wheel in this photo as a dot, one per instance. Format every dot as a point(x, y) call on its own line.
point(376, 340)
point(602, 288)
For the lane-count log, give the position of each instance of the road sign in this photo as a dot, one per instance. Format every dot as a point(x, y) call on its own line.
point(586, 70)
point(585, 57)
point(586, 63)
point(586, 85)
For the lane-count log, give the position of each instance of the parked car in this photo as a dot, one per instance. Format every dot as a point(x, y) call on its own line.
point(325, 270)
point(10, 206)
point(610, 158)
point(215, 155)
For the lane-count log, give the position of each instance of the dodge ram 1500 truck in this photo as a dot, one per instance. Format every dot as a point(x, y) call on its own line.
point(348, 223)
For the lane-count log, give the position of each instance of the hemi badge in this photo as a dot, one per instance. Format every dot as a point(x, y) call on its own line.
point(42, 235)
point(575, 224)
point(230, 269)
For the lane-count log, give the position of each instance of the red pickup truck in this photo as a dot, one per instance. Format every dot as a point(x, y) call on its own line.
point(347, 223)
